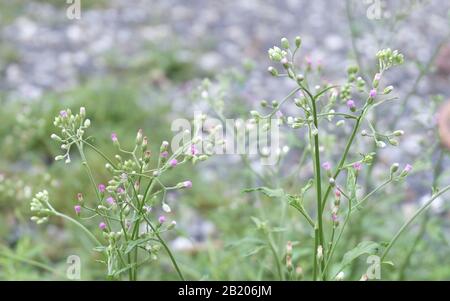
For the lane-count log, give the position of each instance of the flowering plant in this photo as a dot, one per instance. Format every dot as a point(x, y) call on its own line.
point(129, 234)
point(324, 109)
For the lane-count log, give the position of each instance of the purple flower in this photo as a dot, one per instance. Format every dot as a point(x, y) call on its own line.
point(164, 154)
point(114, 137)
point(102, 226)
point(77, 209)
point(373, 93)
point(351, 105)
point(110, 200)
point(63, 114)
point(334, 217)
point(187, 184)
point(377, 77)
point(326, 166)
point(101, 188)
point(337, 193)
point(194, 150)
point(162, 219)
point(408, 168)
point(357, 166)
point(173, 162)
point(279, 114)
point(120, 190)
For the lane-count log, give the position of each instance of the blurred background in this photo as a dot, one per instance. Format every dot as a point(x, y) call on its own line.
point(139, 64)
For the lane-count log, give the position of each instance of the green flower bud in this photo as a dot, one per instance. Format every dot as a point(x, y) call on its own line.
point(285, 43)
point(388, 90)
point(394, 168)
point(272, 71)
point(298, 41)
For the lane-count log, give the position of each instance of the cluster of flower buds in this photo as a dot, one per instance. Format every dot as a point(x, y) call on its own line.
point(381, 140)
point(73, 127)
point(389, 58)
point(285, 56)
point(41, 207)
point(335, 208)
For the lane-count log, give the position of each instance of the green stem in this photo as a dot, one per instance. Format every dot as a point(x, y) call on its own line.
point(31, 262)
point(275, 255)
point(78, 224)
point(163, 243)
point(411, 219)
point(318, 178)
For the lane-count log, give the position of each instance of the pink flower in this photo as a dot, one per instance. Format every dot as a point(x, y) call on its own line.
point(194, 150)
point(337, 193)
point(351, 105)
point(326, 166)
point(187, 184)
point(161, 219)
point(164, 154)
point(120, 190)
point(110, 200)
point(102, 226)
point(77, 209)
point(101, 188)
point(334, 217)
point(173, 162)
point(63, 114)
point(377, 77)
point(408, 167)
point(373, 93)
point(357, 166)
point(114, 137)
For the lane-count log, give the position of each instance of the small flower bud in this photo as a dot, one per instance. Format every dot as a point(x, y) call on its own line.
point(298, 41)
point(351, 105)
point(172, 225)
point(285, 43)
point(289, 248)
point(144, 143)
point(394, 168)
point(399, 133)
point(161, 219)
point(82, 112)
point(388, 90)
point(77, 209)
point(173, 162)
point(300, 78)
point(326, 166)
point(87, 123)
point(357, 166)
point(332, 182)
point(376, 80)
point(110, 200)
point(380, 144)
point(102, 226)
point(272, 71)
point(56, 137)
point(406, 170)
point(319, 253)
point(166, 208)
point(101, 188)
point(80, 197)
point(139, 137)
